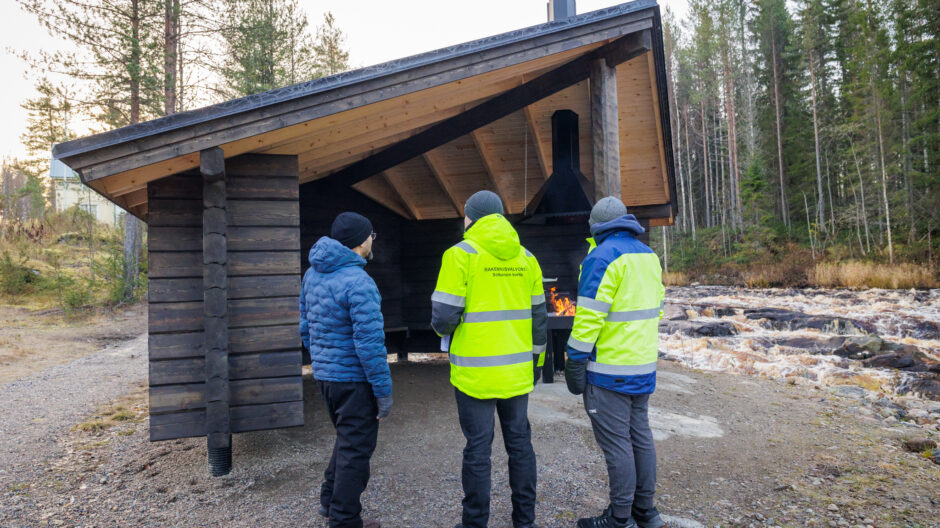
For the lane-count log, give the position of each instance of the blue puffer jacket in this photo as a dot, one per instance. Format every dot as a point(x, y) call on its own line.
point(341, 319)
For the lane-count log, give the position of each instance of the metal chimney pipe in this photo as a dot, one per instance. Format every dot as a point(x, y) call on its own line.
point(560, 9)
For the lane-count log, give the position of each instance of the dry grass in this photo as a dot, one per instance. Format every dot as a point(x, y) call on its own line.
point(675, 278)
point(861, 275)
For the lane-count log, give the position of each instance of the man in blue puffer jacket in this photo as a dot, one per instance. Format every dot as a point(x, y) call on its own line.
point(341, 325)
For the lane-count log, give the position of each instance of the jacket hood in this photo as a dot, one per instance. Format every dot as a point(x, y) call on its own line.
point(328, 255)
point(626, 223)
point(496, 235)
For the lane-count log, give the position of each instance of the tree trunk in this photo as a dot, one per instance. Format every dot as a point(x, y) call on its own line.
point(170, 51)
point(688, 164)
point(884, 180)
point(783, 188)
point(130, 221)
point(708, 197)
point(861, 184)
point(736, 216)
point(821, 204)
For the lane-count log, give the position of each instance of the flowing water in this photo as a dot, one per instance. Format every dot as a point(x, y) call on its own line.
point(902, 319)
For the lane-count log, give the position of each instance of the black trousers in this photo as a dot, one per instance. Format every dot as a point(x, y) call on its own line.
point(476, 421)
point(353, 412)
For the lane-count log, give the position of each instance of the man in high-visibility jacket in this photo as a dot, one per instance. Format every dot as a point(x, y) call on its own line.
point(489, 309)
point(612, 356)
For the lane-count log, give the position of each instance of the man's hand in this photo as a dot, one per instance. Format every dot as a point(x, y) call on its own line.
point(537, 372)
point(385, 406)
point(575, 376)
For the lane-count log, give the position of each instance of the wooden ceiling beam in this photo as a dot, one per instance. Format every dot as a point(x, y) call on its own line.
point(378, 189)
point(395, 180)
point(491, 171)
point(544, 158)
point(137, 197)
point(434, 164)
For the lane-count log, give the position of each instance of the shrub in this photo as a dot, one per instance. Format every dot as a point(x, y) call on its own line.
point(76, 297)
point(860, 275)
point(675, 278)
point(15, 276)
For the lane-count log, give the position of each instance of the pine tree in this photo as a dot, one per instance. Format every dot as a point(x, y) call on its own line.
point(267, 45)
point(332, 57)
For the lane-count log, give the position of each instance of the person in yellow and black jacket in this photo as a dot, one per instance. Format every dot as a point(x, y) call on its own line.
point(612, 357)
point(489, 309)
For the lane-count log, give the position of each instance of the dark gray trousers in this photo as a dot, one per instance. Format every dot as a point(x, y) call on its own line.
point(622, 429)
point(476, 422)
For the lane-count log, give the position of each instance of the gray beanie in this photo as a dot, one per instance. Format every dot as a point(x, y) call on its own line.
point(607, 209)
point(482, 203)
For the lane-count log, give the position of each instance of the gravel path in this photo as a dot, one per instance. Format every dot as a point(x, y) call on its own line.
point(40, 409)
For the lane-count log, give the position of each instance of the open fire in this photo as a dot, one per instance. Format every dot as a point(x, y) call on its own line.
point(560, 305)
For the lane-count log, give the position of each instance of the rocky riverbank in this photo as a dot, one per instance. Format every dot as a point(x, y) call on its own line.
point(880, 347)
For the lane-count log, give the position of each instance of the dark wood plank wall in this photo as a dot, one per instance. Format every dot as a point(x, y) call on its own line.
point(424, 243)
point(321, 202)
point(408, 253)
point(263, 286)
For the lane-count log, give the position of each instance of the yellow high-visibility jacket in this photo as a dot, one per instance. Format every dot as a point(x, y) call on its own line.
point(489, 299)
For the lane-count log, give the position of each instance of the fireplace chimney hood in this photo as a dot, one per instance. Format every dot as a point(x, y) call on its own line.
point(565, 196)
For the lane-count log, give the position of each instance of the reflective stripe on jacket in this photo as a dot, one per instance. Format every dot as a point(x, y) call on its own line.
point(620, 300)
point(489, 295)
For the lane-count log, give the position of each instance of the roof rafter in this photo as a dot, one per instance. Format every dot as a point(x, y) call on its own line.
point(434, 165)
point(492, 172)
point(544, 159)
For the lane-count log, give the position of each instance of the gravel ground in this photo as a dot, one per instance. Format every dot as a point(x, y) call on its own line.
point(733, 451)
point(39, 410)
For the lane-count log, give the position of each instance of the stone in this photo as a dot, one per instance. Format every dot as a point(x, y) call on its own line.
point(850, 391)
point(781, 319)
point(673, 312)
point(918, 445)
point(833, 508)
point(698, 328)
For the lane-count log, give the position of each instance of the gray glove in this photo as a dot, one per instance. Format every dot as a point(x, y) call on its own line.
point(575, 376)
point(385, 406)
point(537, 372)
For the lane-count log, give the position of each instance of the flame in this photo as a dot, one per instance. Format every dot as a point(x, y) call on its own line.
point(560, 304)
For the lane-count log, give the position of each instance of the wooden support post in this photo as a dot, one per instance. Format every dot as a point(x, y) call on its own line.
point(605, 130)
point(215, 310)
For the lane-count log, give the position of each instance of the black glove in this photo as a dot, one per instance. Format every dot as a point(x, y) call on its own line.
point(575, 376)
point(385, 406)
point(536, 372)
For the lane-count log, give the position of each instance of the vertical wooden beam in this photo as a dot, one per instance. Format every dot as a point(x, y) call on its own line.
point(535, 134)
point(491, 171)
point(434, 163)
point(605, 130)
point(659, 125)
point(215, 309)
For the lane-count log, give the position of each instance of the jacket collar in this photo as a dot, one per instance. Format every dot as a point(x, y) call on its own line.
point(625, 224)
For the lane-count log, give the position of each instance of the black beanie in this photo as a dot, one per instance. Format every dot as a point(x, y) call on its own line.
point(351, 229)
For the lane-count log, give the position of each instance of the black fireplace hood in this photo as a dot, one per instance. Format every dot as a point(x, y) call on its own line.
point(565, 197)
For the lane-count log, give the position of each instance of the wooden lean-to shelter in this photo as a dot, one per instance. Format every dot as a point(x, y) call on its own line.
point(236, 193)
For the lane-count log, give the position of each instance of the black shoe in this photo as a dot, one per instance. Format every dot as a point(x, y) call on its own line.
point(324, 512)
point(605, 520)
point(655, 522)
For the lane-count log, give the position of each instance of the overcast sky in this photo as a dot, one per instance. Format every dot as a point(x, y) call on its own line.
point(376, 31)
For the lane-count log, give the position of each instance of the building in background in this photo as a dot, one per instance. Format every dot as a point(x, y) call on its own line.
point(69, 192)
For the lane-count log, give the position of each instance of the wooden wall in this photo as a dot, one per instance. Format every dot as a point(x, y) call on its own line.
point(263, 287)
point(320, 204)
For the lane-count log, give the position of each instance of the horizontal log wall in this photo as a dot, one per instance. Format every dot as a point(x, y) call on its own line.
point(263, 286)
